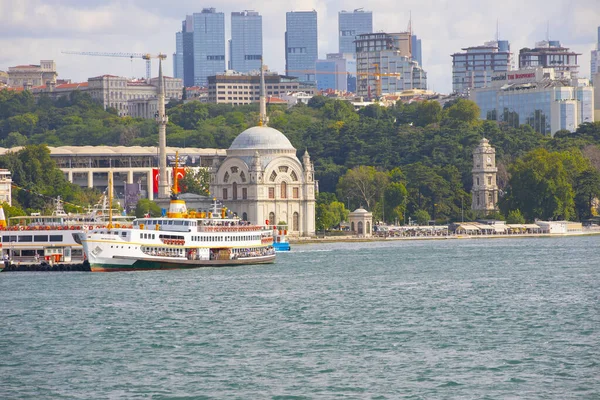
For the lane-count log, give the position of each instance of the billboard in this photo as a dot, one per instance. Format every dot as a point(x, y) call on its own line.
point(132, 196)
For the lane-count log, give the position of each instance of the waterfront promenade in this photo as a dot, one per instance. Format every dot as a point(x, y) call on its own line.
point(433, 235)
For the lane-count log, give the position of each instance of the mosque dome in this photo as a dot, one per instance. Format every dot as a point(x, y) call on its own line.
point(261, 138)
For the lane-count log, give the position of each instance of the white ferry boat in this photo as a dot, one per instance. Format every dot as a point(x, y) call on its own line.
point(182, 239)
point(50, 238)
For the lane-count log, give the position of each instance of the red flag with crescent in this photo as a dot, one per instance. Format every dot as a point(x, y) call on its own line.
point(155, 177)
point(180, 173)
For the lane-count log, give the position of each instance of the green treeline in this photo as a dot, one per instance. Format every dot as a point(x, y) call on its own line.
point(406, 161)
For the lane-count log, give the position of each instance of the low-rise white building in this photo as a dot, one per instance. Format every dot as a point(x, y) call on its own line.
point(32, 75)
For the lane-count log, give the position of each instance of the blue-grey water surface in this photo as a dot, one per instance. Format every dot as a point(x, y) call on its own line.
point(472, 319)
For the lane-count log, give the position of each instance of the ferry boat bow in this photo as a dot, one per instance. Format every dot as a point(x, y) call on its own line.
point(180, 240)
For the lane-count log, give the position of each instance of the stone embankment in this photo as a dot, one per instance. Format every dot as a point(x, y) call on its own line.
point(24, 267)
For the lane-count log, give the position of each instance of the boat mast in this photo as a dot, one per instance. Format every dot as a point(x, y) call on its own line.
point(175, 188)
point(110, 199)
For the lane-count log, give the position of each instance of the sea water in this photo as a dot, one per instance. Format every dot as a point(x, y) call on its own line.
point(473, 319)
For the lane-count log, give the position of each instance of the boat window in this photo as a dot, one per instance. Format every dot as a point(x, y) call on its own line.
point(123, 234)
point(40, 238)
point(7, 239)
point(178, 222)
point(56, 238)
point(25, 238)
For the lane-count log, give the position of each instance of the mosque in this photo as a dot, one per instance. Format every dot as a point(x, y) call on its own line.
point(263, 181)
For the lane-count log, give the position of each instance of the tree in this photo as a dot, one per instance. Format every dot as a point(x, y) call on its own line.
point(428, 112)
point(395, 197)
point(363, 185)
point(12, 211)
point(422, 217)
point(587, 188)
point(145, 206)
point(195, 181)
point(515, 217)
point(539, 187)
point(464, 110)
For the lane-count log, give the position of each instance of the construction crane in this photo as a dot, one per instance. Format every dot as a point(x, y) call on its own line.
point(377, 75)
point(145, 56)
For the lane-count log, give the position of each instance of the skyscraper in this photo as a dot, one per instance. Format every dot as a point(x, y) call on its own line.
point(188, 50)
point(416, 50)
point(595, 59)
point(351, 24)
point(183, 58)
point(209, 45)
point(178, 56)
point(301, 44)
point(245, 46)
point(474, 68)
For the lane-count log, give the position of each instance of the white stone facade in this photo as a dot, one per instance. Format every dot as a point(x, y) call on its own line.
point(32, 75)
point(132, 98)
point(361, 222)
point(261, 180)
point(485, 188)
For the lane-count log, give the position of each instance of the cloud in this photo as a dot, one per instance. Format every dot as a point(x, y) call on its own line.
point(40, 29)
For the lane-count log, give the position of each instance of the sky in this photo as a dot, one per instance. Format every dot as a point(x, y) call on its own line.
point(33, 30)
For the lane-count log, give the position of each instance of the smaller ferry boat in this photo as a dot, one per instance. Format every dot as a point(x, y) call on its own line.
point(49, 238)
point(280, 242)
point(182, 239)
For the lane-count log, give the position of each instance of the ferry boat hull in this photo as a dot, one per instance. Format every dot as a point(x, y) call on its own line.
point(124, 263)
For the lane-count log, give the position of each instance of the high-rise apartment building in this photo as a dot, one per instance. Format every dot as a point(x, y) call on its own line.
point(246, 44)
point(384, 64)
point(352, 24)
point(550, 54)
point(301, 45)
point(209, 45)
point(595, 60)
point(475, 67)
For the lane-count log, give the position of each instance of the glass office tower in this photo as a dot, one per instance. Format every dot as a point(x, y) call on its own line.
point(595, 60)
point(245, 46)
point(351, 24)
point(209, 45)
point(178, 56)
point(301, 45)
point(416, 49)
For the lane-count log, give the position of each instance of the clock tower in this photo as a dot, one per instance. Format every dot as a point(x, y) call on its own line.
point(485, 188)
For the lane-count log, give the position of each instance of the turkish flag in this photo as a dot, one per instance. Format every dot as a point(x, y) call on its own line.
point(155, 177)
point(179, 173)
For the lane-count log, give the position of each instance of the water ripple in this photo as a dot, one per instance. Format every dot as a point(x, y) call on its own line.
point(486, 319)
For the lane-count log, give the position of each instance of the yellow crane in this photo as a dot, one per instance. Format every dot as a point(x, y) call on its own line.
point(144, 56)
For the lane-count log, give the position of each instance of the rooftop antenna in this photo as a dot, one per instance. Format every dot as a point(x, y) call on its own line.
point(548, 31)
point(410, 22)
point(497, 31)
